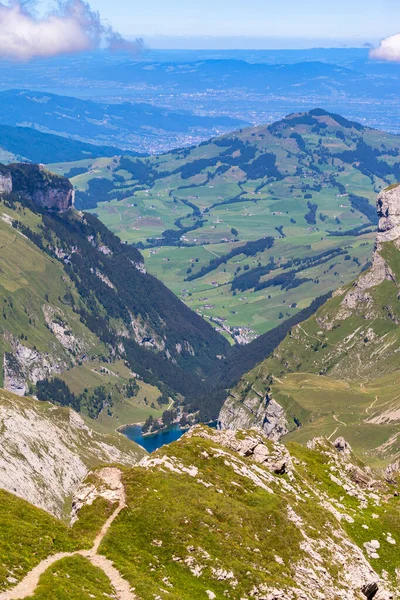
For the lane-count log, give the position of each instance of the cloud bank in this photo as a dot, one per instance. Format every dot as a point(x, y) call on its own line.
point(388, 49)
point(72, 27)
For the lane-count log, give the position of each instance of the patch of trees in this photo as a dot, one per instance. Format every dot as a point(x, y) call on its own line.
point(97, 191)
point(319, 112)
point(368, 159)
point(263, 166)
point(305, 119)
point(251, 278)
point(74, 171)
point(141, 170)
point(190, 169)
point(364, 206)
point(172, 237)
point(356, 231)
point(234, 200)
point(300, 141)
point(286, 281)
point(55, 390)
point(248, 249)
point(311, 216)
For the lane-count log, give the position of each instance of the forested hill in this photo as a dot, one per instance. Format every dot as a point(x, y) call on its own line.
point(30, 145)
point(72, 292)
point(249, 228)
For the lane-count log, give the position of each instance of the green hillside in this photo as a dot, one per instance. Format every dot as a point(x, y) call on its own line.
point(304, 186)
point(220, 515)
point(338, 372)
point(78, 304)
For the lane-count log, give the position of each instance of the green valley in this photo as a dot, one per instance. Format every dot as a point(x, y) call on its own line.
point(308, 183)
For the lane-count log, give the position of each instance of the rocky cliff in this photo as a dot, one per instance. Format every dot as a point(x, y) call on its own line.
point(44, 188)
point(47, 451)
point(5, 180)
point(353, 338)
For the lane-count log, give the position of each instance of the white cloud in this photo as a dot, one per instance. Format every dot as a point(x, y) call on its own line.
point(389, 49)
point(73, 27)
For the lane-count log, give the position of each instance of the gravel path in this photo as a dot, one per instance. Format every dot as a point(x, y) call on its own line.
point(28, 585)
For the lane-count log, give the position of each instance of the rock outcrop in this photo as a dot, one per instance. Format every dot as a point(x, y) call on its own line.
point(254, 410)
point(36, 183)
point(24, 365)
point(5, 180)
point(47, 451)
point(388, 205)
point(251, 444)
point(388, 209)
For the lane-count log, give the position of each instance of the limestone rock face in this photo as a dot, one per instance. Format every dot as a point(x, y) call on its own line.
point(45, 189)
point(5, 180)
point(388, 206)
point(254, 411)
point(47, 451)
point(388, 210)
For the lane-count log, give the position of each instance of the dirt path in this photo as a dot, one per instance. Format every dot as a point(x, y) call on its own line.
point(333, 433)
point(337, 421)
point(211, 252)
point(28, 585)
point(367, 410)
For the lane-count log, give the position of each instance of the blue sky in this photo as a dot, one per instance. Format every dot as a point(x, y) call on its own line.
point(312, 20)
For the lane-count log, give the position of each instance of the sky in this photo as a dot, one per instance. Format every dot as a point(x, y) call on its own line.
point(357, 21)
point(31, 29)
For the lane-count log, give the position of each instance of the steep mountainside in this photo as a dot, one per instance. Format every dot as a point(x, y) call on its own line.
point(47, 451)
point(73, 295)
point(251, 227)
point(338, 371)
point(216, 515)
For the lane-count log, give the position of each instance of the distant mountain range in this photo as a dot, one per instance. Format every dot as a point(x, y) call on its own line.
point(253, 86)
point(30, 145)
point(130, 126)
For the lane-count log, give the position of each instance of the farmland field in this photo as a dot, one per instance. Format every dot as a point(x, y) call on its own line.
point(307, 183)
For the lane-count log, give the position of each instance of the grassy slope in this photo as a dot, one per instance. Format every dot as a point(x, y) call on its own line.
point(175, 523)
point(27, 278)
point(266, 204)
point(73, 578)
point(225, 528)
point(125, 410)
point(342, 379)
point(29, 535)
